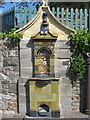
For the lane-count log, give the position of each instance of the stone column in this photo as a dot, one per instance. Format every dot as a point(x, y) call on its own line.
point(89, 20)
point(88, 85)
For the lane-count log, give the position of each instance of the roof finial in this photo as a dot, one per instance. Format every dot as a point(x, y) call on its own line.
point(45, 2)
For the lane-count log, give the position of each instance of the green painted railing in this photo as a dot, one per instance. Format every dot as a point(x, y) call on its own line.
point(73, 18)
point(22, 17)
point(8, 20)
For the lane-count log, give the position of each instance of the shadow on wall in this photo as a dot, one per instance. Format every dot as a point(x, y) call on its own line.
point(30, 44)
point(27, 98)
point(83, 95)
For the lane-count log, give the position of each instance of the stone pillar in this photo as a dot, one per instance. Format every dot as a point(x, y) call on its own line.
point(88, 85)
point(26, 60)
point(26, 63)
point(62, 55)
point(89, 19)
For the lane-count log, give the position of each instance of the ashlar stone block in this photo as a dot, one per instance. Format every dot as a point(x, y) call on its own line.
point(22, 109)
point(22, 89)
point(26, 44)
point(26, 62)
point(26, 72)
point(62, 44)
point(26, 53)
point(62, 53)
point(22, 99)
point(59, 72)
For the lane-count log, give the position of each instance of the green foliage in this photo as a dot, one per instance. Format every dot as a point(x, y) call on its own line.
point(78, 66)
point(11, 36)
point(80, 42)
point(2, 36)
point(80, 45)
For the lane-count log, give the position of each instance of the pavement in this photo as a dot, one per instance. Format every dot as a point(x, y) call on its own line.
point(71, 116)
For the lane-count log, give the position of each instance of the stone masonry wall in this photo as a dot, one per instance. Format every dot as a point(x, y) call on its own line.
point(79, 96)
point(9, 74)
point(76, 97)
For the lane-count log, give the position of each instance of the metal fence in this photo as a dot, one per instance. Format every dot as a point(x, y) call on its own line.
point(73, 18)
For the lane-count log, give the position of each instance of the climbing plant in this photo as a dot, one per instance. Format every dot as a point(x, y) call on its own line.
point(80, 45)
point(11, 37)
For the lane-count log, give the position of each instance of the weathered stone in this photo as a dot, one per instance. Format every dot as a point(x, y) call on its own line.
point(5, 91)
point(62, 53)
point(62, 44)
point(4, 77)
point(26, 72)
point(66, 90)
point(58, 63)
point(22, 89)
point(22, 99)
point(75, 97)
point(13, 76)
point(13, 88)
point(13, 53)
point(1, 95)
point(26, 62)
point(3, 105)
point(26, 43)
point(5, 82)
point(1, 41)
point(1, 57)
point(0, 53)
point(0, 87)
point(26, 53)
point(22, 80)
point(16, 68)
point(14, 61)
point(6, 97)
point(22, 109)
point(13, 95)
point(6, 62)
point(7, 68)
point(60, 72)
point(12, 104)
point(5, 86)
point(1, 113)
point(5, 53)
point(8, 114)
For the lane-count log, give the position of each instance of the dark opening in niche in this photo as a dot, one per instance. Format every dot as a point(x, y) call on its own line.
point(43, 110)
point(42, 83)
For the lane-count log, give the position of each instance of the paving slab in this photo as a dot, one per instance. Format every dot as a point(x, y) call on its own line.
point(44, 119)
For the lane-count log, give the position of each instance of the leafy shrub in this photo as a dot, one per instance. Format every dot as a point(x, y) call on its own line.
point(80, 45)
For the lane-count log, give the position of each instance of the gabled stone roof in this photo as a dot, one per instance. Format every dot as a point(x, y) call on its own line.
point(55, 26)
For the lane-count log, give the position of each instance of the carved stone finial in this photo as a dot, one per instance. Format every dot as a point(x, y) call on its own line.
point(45, 2)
